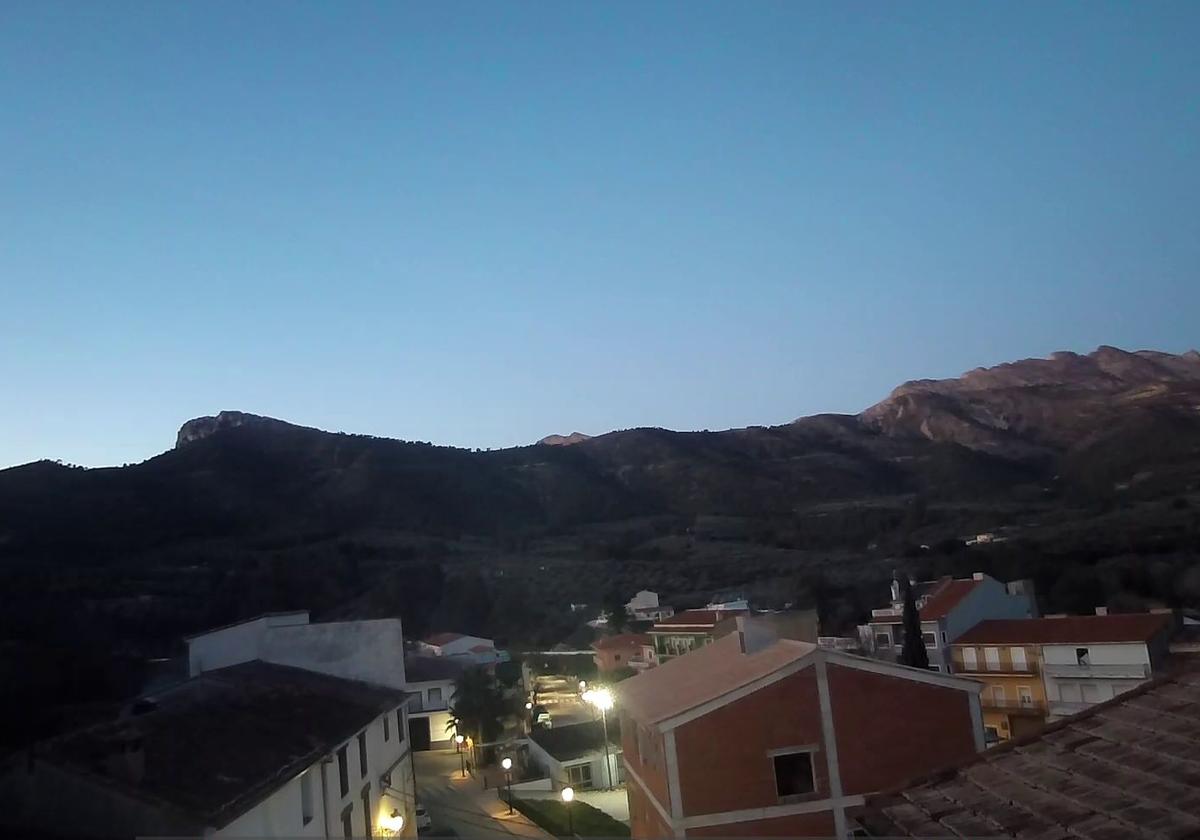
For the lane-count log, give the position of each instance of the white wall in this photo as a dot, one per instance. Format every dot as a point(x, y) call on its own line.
point(236, 644)
point(280, 815)
point(372, 651)
point(1098, 654)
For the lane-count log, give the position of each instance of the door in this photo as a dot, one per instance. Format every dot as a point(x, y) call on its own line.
point(970, 663)
point(1018, 658)
point(992, 657)
point(1025, 693)
point(418, 731)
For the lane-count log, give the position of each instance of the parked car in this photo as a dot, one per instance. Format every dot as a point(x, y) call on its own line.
point(424, 822)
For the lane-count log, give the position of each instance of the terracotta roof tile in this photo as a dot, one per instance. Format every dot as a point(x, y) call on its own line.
point(1081, 629)
point(946, 596)
point(1124, 769)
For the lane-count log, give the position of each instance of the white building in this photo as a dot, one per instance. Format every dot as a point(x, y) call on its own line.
point(574, 755)
point(644, 606)
point(431, 681)
point(471, 650)
point(253, 750)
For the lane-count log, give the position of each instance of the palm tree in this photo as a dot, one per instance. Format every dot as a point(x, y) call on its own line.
point(478, 705)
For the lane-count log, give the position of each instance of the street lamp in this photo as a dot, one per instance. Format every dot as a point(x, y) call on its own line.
point(457, 739)
point(568, 794)
point(506, 763)
point(602, 699)
point(462, 764)
point(583, 685)
point(393, 824)
point(529, 706)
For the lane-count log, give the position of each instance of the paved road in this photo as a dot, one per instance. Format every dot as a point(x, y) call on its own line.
point(462, 805)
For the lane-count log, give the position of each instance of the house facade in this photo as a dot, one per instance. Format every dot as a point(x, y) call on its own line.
point(253, 750)
point(688, 630)
point(626, 650)
point(756, 736)
point(430, 684)
point(948, 608)
point(1066, 663)
point(470, 650)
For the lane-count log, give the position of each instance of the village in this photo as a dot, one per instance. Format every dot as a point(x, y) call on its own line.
point(956, 710)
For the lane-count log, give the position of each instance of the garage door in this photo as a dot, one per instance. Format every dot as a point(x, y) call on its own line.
point(418, 732)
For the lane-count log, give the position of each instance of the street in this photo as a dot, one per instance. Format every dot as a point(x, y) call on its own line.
point(462, 806)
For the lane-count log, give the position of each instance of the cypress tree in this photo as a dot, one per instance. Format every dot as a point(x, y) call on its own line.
point(913, 653)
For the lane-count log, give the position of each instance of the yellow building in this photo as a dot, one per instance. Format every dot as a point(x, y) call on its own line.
point(1014, 696)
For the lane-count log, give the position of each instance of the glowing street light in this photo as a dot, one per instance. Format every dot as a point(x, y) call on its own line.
point(602, 699)
point(462, 764)
point(568, 793)
point(393, 824)
point(529, 706)
point(506, 764)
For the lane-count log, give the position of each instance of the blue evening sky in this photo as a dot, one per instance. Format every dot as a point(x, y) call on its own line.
point(480, 223)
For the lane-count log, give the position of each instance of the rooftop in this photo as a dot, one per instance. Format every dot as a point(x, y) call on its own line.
point(697, 619)
point(430, 668)
point(621, 640)
point(577, 740)
point(1081, 629)
point(439, 639)
point(945, 596)
point(1127, 768)
point(216, 745)
point(684, 682)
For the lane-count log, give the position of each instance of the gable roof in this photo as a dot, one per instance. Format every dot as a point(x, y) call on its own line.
point(698, 619)
point(945, 596)
point(431, 668)
point(1125, 768)
point(218, 744)
point(621, 641)
point(1082, 629)
point(688, 681)
point(565, 743)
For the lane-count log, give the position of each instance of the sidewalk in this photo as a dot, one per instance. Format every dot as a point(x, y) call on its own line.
point(464, 805)
point(615, 803)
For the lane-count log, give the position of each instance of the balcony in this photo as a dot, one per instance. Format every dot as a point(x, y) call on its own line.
point(1112, 672)
point(1028, 668)
point(1012, 705)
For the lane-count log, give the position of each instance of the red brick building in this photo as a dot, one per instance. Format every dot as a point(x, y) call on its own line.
point(754, 736)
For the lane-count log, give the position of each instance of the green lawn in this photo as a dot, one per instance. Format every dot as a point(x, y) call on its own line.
point(586, 821)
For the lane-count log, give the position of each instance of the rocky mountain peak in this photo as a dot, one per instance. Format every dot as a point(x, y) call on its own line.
point(564, 440)
point(202, 427)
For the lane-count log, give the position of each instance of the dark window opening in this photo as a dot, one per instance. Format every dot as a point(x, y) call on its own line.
point(348, 822)
point(366, 802)
point(387, 728)
point(1082, 656)
point(362, 755)
point(343, 772)
point(794, 774)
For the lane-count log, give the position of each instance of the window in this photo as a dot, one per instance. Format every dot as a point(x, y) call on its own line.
point(943, 638)
point(794, 774)
point(1083, 656)
point(617, 657)
point(1018, 658)
point(883, 640)
point(998, 696)
point(387, 728)
point(343, 772)
point(366, 803)
point(970, 663)
point(933, 667)
point(991, 734)
point(1025, 693)
point(400, 725)
point(362, 755)
point(580, 775)
point(306, 797)
point(1069, 692)
point(992, 657)
point(1091, 693)
point(435, 698)
point(930, 640)
point(348, 822)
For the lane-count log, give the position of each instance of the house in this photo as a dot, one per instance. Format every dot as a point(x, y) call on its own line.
point(751, 735)
point(948, 607)
point(575, 755)
point(688, 630)
point(1122, 769)
point(471, 650)
point(253, 749)
point(1047, 668)
point(644, 606)
point(430, 683)
point(626, 650)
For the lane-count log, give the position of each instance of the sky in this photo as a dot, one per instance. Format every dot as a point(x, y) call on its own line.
point(478, 224)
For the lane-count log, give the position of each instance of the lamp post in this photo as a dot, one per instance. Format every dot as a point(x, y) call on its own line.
point(457, 740)
point(568, 794)
point(462, 764)
point(394, 824)
point(506, 763)
point(602, 699)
